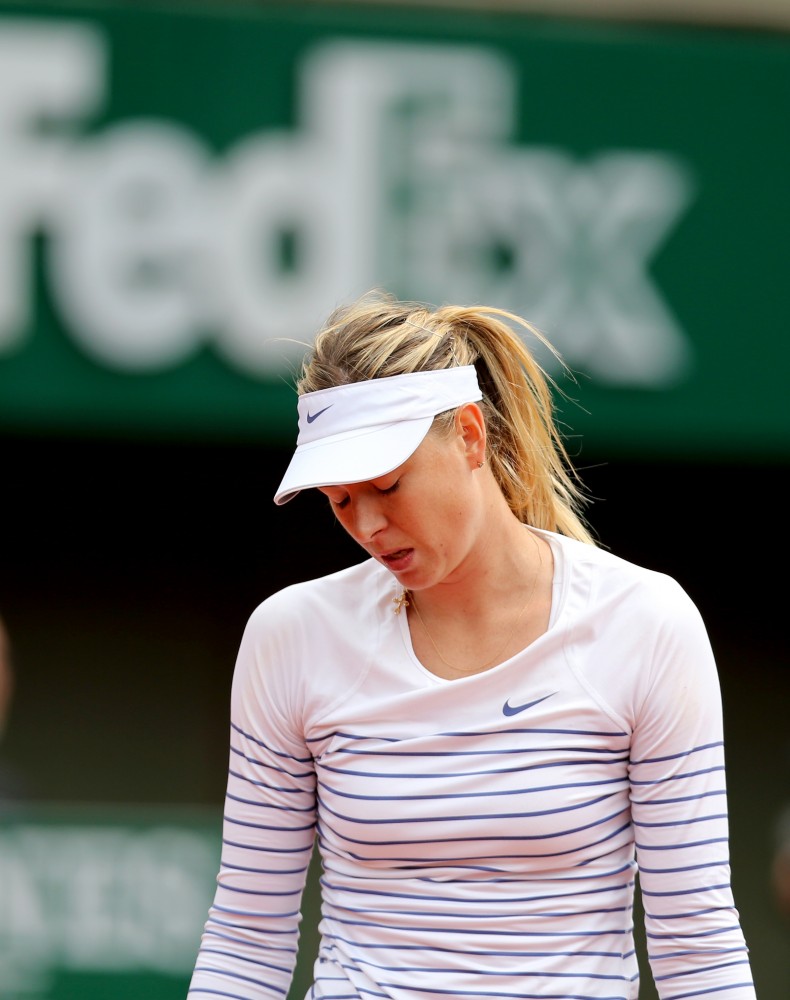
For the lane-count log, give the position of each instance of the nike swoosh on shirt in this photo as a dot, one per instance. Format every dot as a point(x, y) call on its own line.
point(508, 709)
point(314, 416)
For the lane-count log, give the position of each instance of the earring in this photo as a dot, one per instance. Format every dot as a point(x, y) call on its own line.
point(480, 465)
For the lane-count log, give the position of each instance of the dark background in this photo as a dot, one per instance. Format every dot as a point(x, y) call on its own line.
point(129, 569)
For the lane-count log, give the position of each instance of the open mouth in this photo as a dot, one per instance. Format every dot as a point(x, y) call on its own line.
point(396, 556)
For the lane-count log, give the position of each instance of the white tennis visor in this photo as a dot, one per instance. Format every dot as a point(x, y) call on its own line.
point(360, 431)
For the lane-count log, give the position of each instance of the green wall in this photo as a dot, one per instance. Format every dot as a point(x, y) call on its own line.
point(188, 191)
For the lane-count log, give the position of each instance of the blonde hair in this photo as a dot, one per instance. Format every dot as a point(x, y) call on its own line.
point(378, 335)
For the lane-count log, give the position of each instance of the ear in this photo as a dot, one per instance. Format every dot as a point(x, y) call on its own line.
point(471, 428)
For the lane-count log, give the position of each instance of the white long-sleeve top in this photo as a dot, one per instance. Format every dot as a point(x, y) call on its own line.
point(480, 837)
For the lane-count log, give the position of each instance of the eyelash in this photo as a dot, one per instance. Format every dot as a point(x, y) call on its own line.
point(340, 504)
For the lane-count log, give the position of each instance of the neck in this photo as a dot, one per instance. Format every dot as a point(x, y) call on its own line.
point(503, 562)
point(461, 631)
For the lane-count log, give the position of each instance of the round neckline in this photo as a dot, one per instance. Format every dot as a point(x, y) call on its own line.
point(557, 599)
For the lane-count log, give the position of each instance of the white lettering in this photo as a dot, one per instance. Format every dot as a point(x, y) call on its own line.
point(48, 72)
point(278, 209)
point(400, 172)
point(128, 258)
point(568, 245)
point(103, 897)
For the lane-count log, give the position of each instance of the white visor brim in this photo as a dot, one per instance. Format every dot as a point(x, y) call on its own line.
point(356, 432)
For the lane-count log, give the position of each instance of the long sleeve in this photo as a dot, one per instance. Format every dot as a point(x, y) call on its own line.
point(695, 943)
point(478, 836)
point(248, 949)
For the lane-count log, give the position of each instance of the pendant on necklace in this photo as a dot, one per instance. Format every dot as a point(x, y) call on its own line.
point(401, 602)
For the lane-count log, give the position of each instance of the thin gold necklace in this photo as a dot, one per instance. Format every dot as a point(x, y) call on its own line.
point(403, 601)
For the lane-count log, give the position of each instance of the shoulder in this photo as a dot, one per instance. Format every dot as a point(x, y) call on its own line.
point(602, 581)
point(632, 633)
point(331, 589)
point(612, 569)
point(328, 601)
point(311, 643)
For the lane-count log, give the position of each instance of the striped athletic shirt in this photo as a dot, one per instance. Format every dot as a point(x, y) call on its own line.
point(479, 838)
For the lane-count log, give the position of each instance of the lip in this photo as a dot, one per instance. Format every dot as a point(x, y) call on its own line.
point(396, 559)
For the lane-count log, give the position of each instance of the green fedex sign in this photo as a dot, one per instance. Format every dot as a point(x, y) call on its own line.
point(184, 196)
point(109, 902)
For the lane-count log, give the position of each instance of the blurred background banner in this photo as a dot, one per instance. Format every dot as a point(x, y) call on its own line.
point(186, 192)
point(101, 903)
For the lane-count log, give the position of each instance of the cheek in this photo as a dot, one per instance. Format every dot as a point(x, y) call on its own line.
point(344, 519)
point(450, 521)
point(338, 515)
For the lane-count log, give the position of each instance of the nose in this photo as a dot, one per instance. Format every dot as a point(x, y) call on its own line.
point(368, 518)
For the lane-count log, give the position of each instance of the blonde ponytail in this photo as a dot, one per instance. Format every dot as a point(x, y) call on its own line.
point(379, 336)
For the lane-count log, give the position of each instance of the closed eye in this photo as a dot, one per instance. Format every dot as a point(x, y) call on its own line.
point(344, 501)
